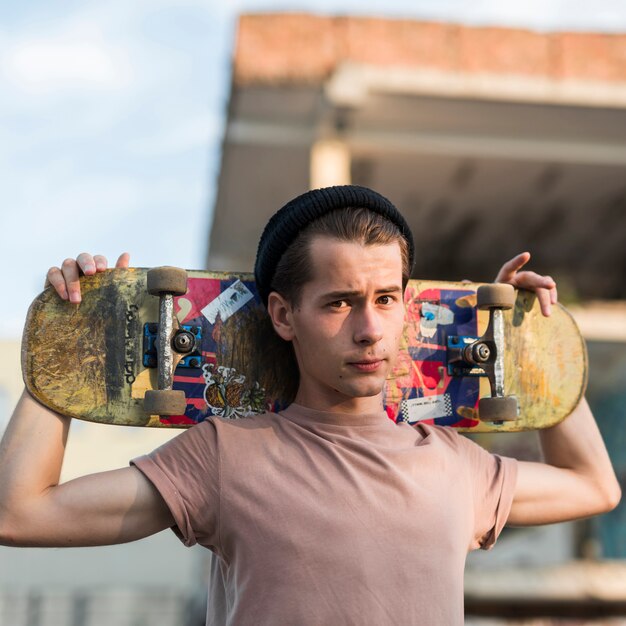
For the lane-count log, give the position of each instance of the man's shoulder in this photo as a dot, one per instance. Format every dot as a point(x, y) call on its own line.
point(217, 427)
point(449, 444)
point(257, 423)
point(445, 435)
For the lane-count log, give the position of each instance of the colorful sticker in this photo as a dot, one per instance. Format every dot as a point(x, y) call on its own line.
point(434, 315)
point(227, 394)
point(427, 408)
point(228, 302)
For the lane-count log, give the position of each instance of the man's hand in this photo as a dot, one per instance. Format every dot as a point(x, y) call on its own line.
point(543, 286)
point(65, 278)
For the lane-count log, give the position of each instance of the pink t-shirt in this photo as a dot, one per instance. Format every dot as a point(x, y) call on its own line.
point(323, 518)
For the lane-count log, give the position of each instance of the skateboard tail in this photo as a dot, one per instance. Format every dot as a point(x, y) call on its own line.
point(71, 352)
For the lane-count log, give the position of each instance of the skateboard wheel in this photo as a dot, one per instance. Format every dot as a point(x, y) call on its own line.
point(495, 296)
point(167, 280)
point(164, 402)
point(503, 409)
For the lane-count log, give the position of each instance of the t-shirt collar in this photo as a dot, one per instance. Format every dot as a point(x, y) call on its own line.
point(298, 413)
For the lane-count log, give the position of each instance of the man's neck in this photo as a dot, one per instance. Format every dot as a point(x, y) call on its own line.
point(340, 404)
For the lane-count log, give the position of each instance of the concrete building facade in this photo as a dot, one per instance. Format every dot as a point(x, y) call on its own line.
point(491, 140)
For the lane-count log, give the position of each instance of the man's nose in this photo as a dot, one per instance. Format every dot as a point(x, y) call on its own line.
point(368, 326)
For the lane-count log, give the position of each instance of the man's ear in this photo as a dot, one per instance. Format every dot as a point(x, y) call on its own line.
point(280, 313)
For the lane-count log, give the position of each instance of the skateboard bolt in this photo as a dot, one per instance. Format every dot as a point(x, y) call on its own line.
point(481, 353)
point(184, 342)
point(194, 363)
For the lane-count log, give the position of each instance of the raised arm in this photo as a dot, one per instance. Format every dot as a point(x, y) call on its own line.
point(35, 510)
point(576, 479)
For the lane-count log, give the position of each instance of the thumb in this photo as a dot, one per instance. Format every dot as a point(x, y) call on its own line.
point(123, 260)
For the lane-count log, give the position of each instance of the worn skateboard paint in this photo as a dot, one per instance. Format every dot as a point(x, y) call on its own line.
point(87, 360)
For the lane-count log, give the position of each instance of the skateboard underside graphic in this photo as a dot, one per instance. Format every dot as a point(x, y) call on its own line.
point(96, 361)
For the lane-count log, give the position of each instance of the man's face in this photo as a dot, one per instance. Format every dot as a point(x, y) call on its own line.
point(348, 324)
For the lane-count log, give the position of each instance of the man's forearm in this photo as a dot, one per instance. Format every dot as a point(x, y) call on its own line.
point(31, 455)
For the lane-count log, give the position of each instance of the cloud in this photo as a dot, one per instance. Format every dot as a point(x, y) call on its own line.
point(69, 55)
point(51, 65)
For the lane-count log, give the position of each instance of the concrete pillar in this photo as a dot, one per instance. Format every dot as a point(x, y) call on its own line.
point(330, 163)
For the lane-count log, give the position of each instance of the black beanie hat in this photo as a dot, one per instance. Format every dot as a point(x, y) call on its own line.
point(284, 226)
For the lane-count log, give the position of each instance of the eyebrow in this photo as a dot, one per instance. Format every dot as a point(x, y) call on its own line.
point(338, 295)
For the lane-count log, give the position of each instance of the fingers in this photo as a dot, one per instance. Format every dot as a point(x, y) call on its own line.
point(550, 299)
point(543, 295)
point(70, 272)
point(533, 281)
point(54, 278)
point(101, 262)
point(510, 268)
point(123, 260)
point(543, 286)
point(65, 280)
point(554, 295)
point(550, 287)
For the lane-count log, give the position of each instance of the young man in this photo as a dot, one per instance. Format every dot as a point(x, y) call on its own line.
point(327, 513)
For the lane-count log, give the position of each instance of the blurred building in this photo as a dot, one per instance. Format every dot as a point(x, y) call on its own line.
point(491, 141)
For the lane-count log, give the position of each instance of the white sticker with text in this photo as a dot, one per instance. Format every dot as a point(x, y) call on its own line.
point(228, 302)
point(430, 407)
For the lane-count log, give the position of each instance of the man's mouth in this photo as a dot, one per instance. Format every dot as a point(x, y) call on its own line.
point(366, 365)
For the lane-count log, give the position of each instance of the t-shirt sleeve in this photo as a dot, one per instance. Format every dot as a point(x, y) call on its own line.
point(492, 479)
point(185, 471)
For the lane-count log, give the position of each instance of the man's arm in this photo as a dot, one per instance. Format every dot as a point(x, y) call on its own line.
point(105, 508)
point(577, 478)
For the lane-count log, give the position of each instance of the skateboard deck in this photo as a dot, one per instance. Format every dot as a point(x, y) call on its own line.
point(95, 361)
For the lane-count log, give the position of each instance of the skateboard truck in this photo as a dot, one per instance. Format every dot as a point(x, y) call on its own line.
point(170, 341)
point(484, 356)
point(186, 341)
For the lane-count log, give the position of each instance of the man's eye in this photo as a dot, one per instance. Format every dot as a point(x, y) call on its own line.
point(338, 304)
point(385, 299)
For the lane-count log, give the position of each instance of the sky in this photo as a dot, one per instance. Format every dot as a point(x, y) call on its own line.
point(112, 115)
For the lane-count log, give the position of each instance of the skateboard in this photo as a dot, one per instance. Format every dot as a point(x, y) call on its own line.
point(169, 348)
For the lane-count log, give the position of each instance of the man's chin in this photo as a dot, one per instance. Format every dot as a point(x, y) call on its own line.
point(366, 390)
